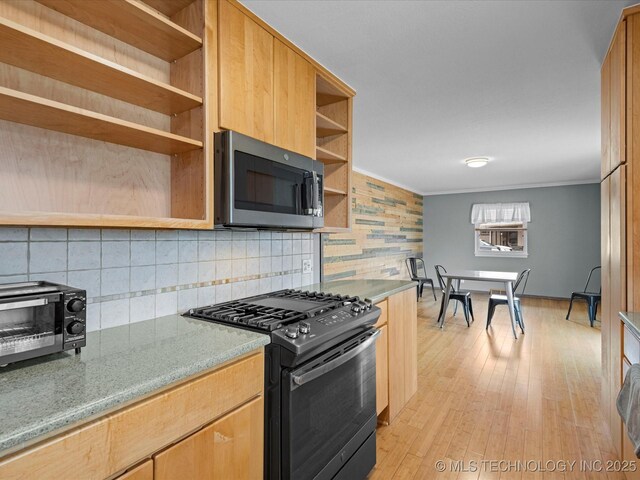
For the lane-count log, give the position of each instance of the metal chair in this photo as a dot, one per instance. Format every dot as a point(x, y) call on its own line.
point(462, 296)
point(592, 298)
point(418, 273)
point(498, 299)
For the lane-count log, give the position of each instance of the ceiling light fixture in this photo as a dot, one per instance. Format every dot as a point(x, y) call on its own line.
point(476, 162)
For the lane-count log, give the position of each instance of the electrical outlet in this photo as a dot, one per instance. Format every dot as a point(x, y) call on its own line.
point(306, 266)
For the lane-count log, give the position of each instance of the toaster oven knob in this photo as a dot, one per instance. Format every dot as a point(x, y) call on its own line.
point(74, 328)
point(75, 305)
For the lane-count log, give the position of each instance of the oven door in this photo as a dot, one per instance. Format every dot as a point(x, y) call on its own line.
point(260, 185)
point(329, 410)
point(30, 326)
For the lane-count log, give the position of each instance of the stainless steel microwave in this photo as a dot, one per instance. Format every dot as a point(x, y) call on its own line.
point(263, 186)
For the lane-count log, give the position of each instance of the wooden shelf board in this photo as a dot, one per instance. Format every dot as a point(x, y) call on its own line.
point(33, 51)
point(40, 112)
point(168, 7)
point(326, 127)
point(327, 156)
point(99, 220)
point(334, 191)
point(327, 93)
point(132, 22)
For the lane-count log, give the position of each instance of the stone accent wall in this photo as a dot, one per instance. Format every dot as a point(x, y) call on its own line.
point(386, 229)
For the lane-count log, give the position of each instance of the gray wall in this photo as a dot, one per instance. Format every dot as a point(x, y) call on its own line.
point(564, 236)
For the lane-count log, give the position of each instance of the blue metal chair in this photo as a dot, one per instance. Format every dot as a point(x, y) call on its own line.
point(418, 273)
point(499, 299)
point(592, 298)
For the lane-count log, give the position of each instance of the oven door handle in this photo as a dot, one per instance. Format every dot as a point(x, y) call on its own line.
point(24, 304)
point(335, 363)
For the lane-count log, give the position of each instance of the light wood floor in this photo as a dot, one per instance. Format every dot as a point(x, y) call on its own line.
point(484, 396)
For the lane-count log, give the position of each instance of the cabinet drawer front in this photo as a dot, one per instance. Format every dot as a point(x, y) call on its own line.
point(231, 447)
point(137, 431)
point(384, 314)
point(631, 346)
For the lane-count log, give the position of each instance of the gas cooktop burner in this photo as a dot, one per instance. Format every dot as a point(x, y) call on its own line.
point(275, 310)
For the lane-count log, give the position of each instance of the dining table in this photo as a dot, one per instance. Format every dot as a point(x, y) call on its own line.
point(505, 278)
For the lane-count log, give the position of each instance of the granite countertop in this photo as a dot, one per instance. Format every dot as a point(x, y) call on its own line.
point(631, 320)
point(374, 290)
point(41, 396)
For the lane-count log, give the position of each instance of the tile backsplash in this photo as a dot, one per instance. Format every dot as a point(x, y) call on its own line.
point(134, 275)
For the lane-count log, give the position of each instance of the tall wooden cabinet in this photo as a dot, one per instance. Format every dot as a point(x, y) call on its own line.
point(613, 226)
point(620, 226)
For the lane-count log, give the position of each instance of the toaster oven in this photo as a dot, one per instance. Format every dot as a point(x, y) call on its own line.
point(39, 318)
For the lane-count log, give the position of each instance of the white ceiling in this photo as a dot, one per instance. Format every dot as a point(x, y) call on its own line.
point(440, 81)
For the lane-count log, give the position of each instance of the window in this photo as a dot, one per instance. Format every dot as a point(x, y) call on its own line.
point(501, 239)
point(501, 229)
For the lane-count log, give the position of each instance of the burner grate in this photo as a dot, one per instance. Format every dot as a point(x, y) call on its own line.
point(261, 313)
point(242, 313)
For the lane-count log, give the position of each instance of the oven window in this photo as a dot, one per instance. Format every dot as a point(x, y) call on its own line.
point(266, 186)
point(29, 328)
point(327, 412)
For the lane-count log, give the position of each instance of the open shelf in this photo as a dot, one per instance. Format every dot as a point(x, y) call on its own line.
point(132, 22)
point(40, 112)
point(38, 53)
point(168, 7)
point(326, 127)
point(327, 156)
point(327, 93)
point(334, 191)
point(104, 220)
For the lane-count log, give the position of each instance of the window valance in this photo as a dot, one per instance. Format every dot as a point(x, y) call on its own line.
point(500, 213)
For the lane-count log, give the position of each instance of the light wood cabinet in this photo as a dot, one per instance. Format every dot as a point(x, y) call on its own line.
point(225, 449)
point(120, 116)
point(245, 74)
point(614, 294)
point(115, 442)
point(403, 350)
point(294, 93)
point(334, 125)
point(144, 471)
point(620, 212)
point(612, 101)
point(382, 370)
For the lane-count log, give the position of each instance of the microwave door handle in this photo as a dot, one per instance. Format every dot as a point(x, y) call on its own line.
point(316, 193)
point(298, 195)
point(310, 375)
point(24, 304)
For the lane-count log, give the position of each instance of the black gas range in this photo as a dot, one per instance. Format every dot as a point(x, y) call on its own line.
point(320, 403)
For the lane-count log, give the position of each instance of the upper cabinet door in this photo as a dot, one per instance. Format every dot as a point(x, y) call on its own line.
point(294, 88)
point(246, 74)
point(618, 97)
point(605, 117)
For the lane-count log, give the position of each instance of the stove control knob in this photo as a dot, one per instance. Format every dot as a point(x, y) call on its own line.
point(355, 308)
point(291, 332)
point(305, 327)
point(75, 305)
point(75, 328)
